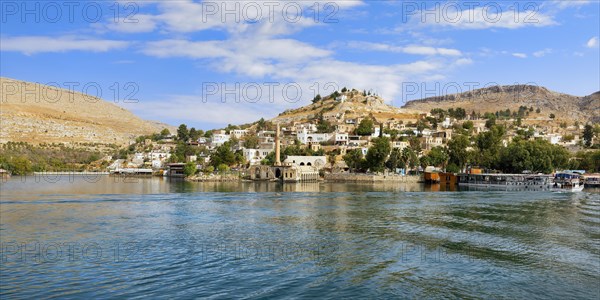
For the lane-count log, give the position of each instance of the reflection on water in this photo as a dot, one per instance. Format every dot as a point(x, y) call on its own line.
point(158, 238)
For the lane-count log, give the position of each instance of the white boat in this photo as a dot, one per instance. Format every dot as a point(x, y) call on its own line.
point(568, 181)
point(510, 182)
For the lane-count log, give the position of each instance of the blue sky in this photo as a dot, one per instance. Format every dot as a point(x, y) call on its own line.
point(202, 62)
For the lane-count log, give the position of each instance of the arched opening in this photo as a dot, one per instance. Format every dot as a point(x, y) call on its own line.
point(309, 164)
point(302, 164)
point(277, 173)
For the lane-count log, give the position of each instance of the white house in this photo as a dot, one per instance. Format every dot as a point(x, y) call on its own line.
point(157, 155)
point(238, 133)
point(255, 156)
point(400, 145)
point(447, 123)
point(341, 138)
point(377, 132)
point(552, 138)
point(305, 137)
point(219, 139)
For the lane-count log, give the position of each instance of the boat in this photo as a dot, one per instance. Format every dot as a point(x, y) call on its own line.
point(431, 175)
point(517, 182)
point(568, 181)
point(450, 179)
point(592, 181)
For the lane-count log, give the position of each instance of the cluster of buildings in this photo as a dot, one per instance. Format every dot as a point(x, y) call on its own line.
point(340, 139)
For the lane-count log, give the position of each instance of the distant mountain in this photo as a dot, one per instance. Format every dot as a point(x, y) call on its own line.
point(492, 99)
point(36, 113)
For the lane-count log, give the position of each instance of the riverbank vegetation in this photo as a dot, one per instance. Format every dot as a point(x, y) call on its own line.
point(21, 158)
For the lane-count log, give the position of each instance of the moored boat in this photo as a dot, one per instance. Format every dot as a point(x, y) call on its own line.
point(524, 182)
point(568, 181)
point(592, 180)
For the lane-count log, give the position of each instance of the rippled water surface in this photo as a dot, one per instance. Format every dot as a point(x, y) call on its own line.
point(82, 238)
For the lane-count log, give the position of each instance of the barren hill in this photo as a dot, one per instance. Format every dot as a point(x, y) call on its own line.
point(492, 99)
point(351, 104)
point(37, 113)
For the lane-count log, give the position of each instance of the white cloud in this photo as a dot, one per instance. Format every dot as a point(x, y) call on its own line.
point(483, 17)
point(562, 4)
point(410, 49)
point(542, 53)
point(236, 17)
point(520, 55)
point(463, 62)
point(39, 44)
point(592, 43)
point(138, 24)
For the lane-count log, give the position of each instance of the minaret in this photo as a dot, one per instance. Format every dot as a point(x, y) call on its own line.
point(277, 148)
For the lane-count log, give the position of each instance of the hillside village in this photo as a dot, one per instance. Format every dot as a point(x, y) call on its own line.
point(336, 133)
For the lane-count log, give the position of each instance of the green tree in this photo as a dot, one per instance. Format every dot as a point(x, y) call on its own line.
point(189, 169)
point(457, 151)
point(452, 168)
point(251, 142)
point(395, 161)
point(222, 168)
point(183, 133)
point(468, 125)
point(317, 98)
point(410, 157)
point(165, 132)
point(421, 126)
point(195, 134)
point(378, 154)
point(209, 170)
point(261, 124)
point(354, 159)
point(365, 127)
point(490, 122)
point(223, 155)
point(438, 156)
point(20, 166)
point(586, 160)
point(489, 143)
point(324, 126)
point(532, 155)
point(588, 135)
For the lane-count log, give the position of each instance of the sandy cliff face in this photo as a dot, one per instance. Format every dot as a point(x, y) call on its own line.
point(496, 98)
point(36, 113)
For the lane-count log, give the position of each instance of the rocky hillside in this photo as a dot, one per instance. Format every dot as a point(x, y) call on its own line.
point(492, 99)
point(36, 113)
point(354, 105)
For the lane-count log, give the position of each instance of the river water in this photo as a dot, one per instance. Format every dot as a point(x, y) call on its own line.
point(80, 237)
